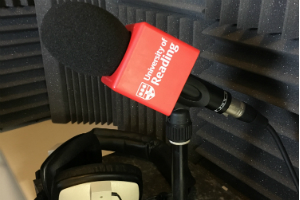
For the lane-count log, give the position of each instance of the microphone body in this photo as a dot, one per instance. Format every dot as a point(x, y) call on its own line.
point(199, 93)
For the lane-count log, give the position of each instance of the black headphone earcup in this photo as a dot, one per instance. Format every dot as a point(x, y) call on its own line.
point(98, 172)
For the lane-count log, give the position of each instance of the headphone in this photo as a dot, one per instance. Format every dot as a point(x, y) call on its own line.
point(74, 171)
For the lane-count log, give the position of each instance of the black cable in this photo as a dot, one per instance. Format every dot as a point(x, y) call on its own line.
point(116, 195)
point(284, 155)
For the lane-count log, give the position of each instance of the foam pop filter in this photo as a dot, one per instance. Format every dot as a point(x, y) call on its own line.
point(86, 38)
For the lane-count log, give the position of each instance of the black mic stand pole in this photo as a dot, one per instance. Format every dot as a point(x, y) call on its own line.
point(179, 132)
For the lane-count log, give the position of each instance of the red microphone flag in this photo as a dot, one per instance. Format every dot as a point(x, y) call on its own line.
point(154, 69)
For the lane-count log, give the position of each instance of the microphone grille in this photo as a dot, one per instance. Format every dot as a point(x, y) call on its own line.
point(86, 38)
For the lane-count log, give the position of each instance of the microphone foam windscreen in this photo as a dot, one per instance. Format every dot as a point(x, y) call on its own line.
point(86, 38)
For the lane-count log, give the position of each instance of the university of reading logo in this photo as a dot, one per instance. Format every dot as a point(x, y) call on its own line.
point(145, 91)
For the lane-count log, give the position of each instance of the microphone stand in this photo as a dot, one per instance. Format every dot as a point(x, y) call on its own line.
point(179, 131)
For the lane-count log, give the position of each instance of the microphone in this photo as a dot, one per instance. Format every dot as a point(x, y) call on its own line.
point(138, 61)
